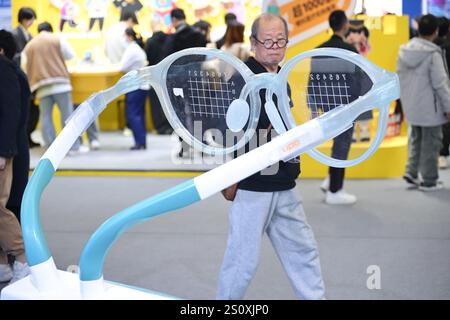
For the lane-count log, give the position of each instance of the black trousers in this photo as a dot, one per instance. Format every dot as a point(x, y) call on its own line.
point(21, 167)
point(340, 150)
point(100, 23)
point(446, 140)
point(159, 119)
point(33, 118)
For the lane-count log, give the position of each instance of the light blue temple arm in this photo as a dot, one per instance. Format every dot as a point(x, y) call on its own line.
point(36, 248)
point(93, 256)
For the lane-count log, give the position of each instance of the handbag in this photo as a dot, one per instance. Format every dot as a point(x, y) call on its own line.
point(230, 192)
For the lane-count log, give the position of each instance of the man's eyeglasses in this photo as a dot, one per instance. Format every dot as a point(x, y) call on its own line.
point(269, 43)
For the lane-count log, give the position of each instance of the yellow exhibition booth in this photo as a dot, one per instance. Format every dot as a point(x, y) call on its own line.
point(387, 33)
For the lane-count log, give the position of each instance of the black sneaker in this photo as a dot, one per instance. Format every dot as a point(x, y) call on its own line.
point(138, 147)
point(33, 144)
point(439, 185)
point(412, 182)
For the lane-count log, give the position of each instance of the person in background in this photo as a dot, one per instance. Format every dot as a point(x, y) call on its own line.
point(203, 27)
point(97, 11)
point(234, 44)
point(69, 11)
point(425, 96)
point(153, 50)
point(14, 95)
point(333, 185)
point(229, 18)
point(184, 37)
point(234, 41)
point(443, 41)
point(135, 58)
point(269, 202)
point(21, 165)
point(127, 7)
point(358, 36)
point(26, 18)
point(115, 41)
point(44, 61)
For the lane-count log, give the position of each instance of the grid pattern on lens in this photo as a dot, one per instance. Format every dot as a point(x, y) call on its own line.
point(209, 95)
point(325, 92)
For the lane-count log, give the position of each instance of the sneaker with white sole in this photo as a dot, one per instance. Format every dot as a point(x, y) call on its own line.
point(439, 185)
point(81, 150)
point(340, 197)
point(6, 272)
point(20, 270)
point(95, 144)
point(325, 184)
point(411, 181)
point(442, 162)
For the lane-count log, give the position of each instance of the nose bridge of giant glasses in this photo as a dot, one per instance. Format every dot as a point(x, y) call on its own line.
point(258, 82)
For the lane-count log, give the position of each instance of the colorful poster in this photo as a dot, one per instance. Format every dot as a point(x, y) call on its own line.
point(307, 17)
point(439, 8)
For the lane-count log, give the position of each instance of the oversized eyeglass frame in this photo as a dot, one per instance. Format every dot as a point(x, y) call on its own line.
point(291, 142)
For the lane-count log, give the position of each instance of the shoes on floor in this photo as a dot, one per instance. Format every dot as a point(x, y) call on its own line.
point(339, 198)
point(439, 185)
point(81, 150)
point(413, 182)
point(33, 144)
point(95, 144)
point(127, 132)
point(20, 270)
point(186, 153)
point(325, 184)
point(6, 273)
point(442, 162)
point(138, 147)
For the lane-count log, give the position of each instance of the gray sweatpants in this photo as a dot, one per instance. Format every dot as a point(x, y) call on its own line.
point(281, 215)
point(423, 152)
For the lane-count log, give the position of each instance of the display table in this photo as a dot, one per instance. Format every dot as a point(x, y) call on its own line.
point(88, 79)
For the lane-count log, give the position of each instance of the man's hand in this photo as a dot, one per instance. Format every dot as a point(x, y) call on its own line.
point(448, 115)
point(2, 163)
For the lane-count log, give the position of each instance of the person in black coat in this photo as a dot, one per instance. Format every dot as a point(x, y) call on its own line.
point(184, 37)
point(333, 186)
point(17, 136)
point(154, 51)
point(127, 6)
point(12, 123)
point(22, 36)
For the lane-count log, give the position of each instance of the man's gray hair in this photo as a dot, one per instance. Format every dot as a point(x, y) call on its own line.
point(268, 16)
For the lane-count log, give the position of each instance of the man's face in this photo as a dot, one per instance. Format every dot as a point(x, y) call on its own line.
point(272, 29)
point(346, 27)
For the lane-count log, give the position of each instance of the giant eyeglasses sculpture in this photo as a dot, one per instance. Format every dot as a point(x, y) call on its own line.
point(316, 96)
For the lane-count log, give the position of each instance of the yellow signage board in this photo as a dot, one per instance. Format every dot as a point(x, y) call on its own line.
point(307, 18)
